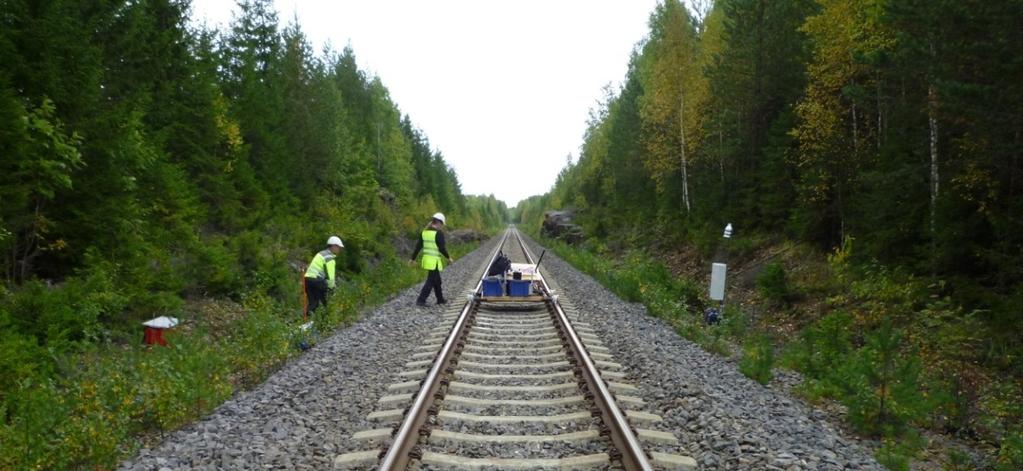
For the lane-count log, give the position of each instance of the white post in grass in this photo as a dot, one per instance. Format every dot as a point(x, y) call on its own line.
point(718, 275)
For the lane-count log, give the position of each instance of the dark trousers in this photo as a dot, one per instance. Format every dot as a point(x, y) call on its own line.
point(316, 291)
point(433, 282)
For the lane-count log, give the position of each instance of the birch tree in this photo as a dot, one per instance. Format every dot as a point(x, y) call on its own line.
point(673, 88)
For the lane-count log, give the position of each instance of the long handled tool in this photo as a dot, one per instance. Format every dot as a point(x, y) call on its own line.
point(305, 297)
point(536, 268)
point(306, 323)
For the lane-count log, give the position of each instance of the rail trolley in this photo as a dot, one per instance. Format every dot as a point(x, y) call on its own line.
point(520, 283)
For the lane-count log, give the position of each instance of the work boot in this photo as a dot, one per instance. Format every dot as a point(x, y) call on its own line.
point(420, 303)
point(442, 301)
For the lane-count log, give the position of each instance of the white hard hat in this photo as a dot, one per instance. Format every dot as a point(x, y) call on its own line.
point(440, 217)
point(335, 240)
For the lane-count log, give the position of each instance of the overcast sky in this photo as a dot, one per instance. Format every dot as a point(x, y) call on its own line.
point(502, 89)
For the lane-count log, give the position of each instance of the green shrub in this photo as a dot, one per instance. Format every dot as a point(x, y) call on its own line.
point(958, 461)
point(814, 390)
point(706, 238)
point(715, 342)
point(1010, 452)
point(34, 409)
point(72, 312)
point(897, 453)
point(758, 359)
point(883, 385)
point(21, 358)
point(773, 284)
point(822, 348)
point(217, 269)
point(735, 322)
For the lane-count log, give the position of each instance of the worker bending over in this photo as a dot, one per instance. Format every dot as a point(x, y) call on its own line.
point(320, 277)
point(432, 245)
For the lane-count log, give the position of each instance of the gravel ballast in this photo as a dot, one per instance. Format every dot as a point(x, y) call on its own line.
point(305, 413)
point(722, 418)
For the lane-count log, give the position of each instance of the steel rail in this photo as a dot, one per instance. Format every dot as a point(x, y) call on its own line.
point(625, 441)
point(397, 456)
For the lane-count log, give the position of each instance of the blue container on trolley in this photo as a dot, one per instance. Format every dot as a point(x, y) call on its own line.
point(493, 286)
point(520, 287)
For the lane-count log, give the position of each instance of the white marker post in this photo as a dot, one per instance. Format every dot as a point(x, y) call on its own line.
point(717, 282)
point(719, 274)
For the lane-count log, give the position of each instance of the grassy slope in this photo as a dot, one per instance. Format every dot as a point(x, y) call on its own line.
point(783, 299)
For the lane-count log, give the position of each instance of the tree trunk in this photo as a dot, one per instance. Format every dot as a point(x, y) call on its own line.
point(1014, 168)
point(31, 240)
point(855, 131)
point(685, 170)
point(932, 124)
point(880, 123)
point(932, 121)
point(757, 119)
point(882, 411)
point(721, 150)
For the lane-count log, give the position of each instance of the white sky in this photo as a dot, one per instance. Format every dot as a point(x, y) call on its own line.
point(502, 89)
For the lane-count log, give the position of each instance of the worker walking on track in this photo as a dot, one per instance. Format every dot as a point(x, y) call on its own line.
point(321, 276)
point(434, 253)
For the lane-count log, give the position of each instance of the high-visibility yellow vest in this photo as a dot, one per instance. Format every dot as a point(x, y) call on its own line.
point(322, 267)
point(432, 259)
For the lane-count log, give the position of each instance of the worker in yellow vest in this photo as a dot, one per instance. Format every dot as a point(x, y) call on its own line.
point(320, 277)
point(431, 243)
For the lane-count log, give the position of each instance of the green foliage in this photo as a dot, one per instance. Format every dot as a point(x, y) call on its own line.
point(168, 165)
point(772, 283)
point(1010, 452)
point(736, 323)
point(897, 454)
point(758, 359)
point(43, 158)
point(880, 383)
point(884, 393)
point(71, 313)
point(958, 461)
point(822, 348)
point(884, 131)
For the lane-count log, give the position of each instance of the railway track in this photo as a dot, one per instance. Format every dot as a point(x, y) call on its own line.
point(525, 385)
